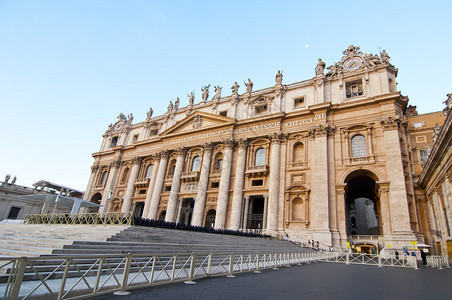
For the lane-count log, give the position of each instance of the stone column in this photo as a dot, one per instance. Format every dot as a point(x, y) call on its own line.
point(155, 199)
point(175, 186)
point(246, 213)
point(131, 185)
point(108, 192)
point(320, 192)
point(90, 184)
point(237, 198)
point(223, 193)
point(340, 215)
point(398, 202)
point(385, 209)
point(273, 190)
point(147, 201)
point(200, 202)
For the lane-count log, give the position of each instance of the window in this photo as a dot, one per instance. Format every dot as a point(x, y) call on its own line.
point(167, 188)
point(195, 163)
point(114, 141)
point(358, 145)
point(124, 175)
point(418, 124)
point(135, 138)
point(421, 139)
point(354, 89)
point(149, 171)
point(224, 113)
point(298, 152)
point(142, 192)
point(257, 182)
point(219, 164)
point(14, 213)
point(104, 177)
point(423, 155)
point(297, 209)
point(261, 109)
point(172, 167)
point(153, 132)
point(298, 102)
point(215, 185)
point(260, 157)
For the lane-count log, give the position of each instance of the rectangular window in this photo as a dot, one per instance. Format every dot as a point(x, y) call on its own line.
point(135, 138)
point(224, 113)
point(261, 109)
point(298, 102)
point(423, 155)
point(354, 89)
point(215, 185)
point(114, 141)
point(153, 132)
point(418, 124)
point(168, 188)
point(257, 182)
point(421, 139)
point(142, 192)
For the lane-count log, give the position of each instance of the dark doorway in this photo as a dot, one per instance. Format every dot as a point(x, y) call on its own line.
point(210, 218)
point(186, 211)
point(13, 213)
point(362, 204)
point(138, 210)
point(162, 215)
point(256, 212)
point(96, 198)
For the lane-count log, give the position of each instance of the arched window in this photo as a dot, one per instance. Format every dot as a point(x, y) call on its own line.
point(260, 157)
point(218, 161)
point(124, 175)
point(104, 178)
point(297, 209)
point(298, 152)
point(172, 167)
point(195, 163)
point(358, 146)
point(149, 171)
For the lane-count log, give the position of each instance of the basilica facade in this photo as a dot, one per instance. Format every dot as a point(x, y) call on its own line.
point(326, 158)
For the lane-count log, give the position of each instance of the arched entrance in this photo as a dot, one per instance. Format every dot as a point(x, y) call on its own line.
point(362, 204)
point(255, 218)
point(210, 218)
point(96, 198)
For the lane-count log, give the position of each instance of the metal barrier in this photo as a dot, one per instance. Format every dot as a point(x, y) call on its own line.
point(376, 260)
point(82, 218)
point(437, 261)
point(77, 277)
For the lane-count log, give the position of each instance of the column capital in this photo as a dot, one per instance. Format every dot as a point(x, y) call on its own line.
point(181, 151)
point(340, 188)
point(115, 164)
point(94, 169)
point(137, 160)
point(390, 123)
point(228, 144)
point(242, 143)
point(207, 147)
point(163, 154)
point(321, 130)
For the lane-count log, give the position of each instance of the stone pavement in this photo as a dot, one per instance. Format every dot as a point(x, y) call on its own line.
point(314, 281)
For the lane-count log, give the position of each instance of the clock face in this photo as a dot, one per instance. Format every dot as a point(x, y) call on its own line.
point(352, 64)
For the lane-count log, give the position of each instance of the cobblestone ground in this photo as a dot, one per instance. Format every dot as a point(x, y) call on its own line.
point(314, 281)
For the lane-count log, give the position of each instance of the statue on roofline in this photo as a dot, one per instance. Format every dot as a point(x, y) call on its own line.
point(320, 67)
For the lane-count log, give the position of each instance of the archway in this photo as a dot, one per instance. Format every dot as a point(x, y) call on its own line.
point(362, 204)
point(210, 218)
point(96, 198)
point(256, 212)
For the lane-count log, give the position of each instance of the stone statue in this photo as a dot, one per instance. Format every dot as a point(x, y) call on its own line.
point(122, 117)
point(333, 70)
point(205, 92)
point(448, 104)
point(278, 78)
point(320, 68)
point(235, 88)
point(7, 177)
point(191, 98)
point(170, 107)
point(384, 56)
point(176, 104)
point(14, 180)
point(130, 118)
point(249, 86)
point(217, 92)
point(150, 112)
point(436, 132)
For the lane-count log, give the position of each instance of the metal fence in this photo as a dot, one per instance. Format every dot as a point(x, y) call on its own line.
point(376, 260)
point(81, 218)
point(79, 277)
point(437, 261)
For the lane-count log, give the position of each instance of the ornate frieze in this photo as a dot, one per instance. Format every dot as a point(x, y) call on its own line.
point(390, 123)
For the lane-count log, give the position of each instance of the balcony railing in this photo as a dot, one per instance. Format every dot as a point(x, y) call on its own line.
point(257, 170)
point(363, 159)
point(142, 182)
point(190, 176)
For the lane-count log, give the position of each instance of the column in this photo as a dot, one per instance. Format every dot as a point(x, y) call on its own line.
point(246, 212)
point(108, 190)
point(90, 184)
point(320, 192)
point(175, 186)
point(200, 202)
point(223, 193)
point(385, 209)
point(147, 201)
point(237, 198)
point(273, 190)
point(131, 185)
point(155, 199)
point(340, 216)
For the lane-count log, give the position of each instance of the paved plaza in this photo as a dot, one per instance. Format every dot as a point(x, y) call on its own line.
point(314, 281)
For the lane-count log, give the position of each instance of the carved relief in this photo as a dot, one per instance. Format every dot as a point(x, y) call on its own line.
point(197, 121)
point(390, 122)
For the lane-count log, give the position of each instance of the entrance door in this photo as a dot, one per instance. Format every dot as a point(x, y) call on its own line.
point(210, 218)
point(256, 212)
point(138, 210)
point(186, 211)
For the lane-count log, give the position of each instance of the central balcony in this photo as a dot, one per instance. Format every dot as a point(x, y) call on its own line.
point(190, 176)
point(253, 171)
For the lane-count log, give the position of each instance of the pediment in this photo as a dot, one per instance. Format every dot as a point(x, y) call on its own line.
point(298, 188)
point(198, 121)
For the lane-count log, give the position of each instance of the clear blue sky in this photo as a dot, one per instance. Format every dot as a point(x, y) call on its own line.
point(68, 68)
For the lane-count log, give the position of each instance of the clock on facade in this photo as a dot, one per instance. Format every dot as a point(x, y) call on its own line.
point(352, 64)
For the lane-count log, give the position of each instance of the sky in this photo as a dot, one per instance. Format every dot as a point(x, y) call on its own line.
point(68, 68)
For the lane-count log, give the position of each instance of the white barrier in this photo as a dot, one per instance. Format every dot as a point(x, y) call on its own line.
point(437, 261)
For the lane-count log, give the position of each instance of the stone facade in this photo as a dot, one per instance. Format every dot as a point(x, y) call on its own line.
point(307, 158)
